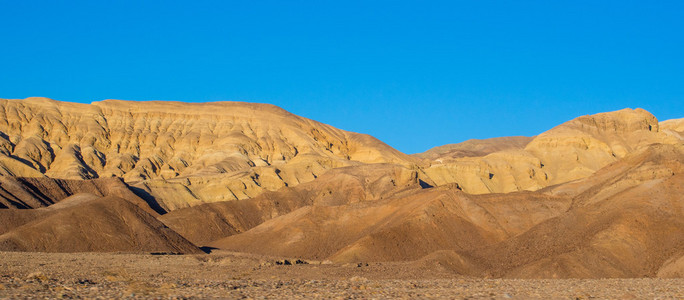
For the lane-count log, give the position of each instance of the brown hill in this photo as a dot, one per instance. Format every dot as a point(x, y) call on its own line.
point(628, 223)
point(399, 228)
point(674, 127)
point(511, 169)
point(475, 148)
point(521, 234)
point(630, 235)
point(205, 223)
point(92, 223)
point(597, 196)
point(26, 192)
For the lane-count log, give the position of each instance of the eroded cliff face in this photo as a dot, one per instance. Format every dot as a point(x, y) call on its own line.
point(598, 196)
point(573, 150)
point(625, 220)
point(182, 153)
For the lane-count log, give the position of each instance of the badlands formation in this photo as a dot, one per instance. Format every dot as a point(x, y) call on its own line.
point(598, 196)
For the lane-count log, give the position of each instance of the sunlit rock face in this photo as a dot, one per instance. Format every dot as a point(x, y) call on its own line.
point(573, 150)
point(598, 196)
point(184, 154)
point(181, 153)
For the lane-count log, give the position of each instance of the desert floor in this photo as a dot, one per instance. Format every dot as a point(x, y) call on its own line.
point(234, 275)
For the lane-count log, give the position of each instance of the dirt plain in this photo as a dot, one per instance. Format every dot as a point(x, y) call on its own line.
point(229, 275)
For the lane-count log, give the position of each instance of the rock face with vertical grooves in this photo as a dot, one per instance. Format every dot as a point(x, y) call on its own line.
point(184, 154)
point(37, 192)
point(597, 196)
point(573, 150)
point(181, 153)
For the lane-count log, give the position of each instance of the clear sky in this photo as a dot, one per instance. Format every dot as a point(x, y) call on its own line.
point(415, 74)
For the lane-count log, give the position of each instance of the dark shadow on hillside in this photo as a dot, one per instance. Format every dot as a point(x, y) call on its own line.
point(424, 184)
point(151, 201)
point(207, 249)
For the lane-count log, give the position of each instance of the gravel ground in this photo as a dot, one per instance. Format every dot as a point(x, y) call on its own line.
point(231, 275)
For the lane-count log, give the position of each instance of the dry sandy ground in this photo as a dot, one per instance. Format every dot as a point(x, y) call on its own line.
point(233, 275)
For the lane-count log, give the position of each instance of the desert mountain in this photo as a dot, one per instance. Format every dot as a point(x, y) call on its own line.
point(573, 150)
point(87, 222)
point(348, 185)
point(184, 154)
point(597, 196)
point(605, 229)
point(23, 193)
point(181, 154)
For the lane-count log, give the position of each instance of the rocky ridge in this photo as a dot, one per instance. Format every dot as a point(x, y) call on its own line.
point(597, 196)
point(181, 153)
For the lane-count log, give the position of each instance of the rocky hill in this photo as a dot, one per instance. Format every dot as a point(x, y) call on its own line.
point(627, 220)
point(597, 196)
point(573, 150)
point(86, 222)
point(181, 154)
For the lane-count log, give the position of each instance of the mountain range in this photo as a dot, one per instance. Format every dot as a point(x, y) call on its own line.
point(597, 196)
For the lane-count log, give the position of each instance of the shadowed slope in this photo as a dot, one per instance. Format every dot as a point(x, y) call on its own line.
point(19, 192)
point(628, 223)
point(92, 224)
point(401, 228)
point(631, 210)
point(204, 223)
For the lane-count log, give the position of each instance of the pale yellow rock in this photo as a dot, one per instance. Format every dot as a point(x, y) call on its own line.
point(674, 124)
point(573, 150)
point(184, 154)
point(578, 148)
point(674, 128)
point(171, 149)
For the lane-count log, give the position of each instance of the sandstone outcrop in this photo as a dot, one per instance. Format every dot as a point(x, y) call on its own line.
point(181, 153)
point(573, 150)
point(597, 196)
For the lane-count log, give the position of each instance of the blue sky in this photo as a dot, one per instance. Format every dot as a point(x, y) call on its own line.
point(415, 74)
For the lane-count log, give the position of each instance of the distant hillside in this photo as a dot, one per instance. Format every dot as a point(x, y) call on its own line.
point(181, 153)
point(597, 196)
